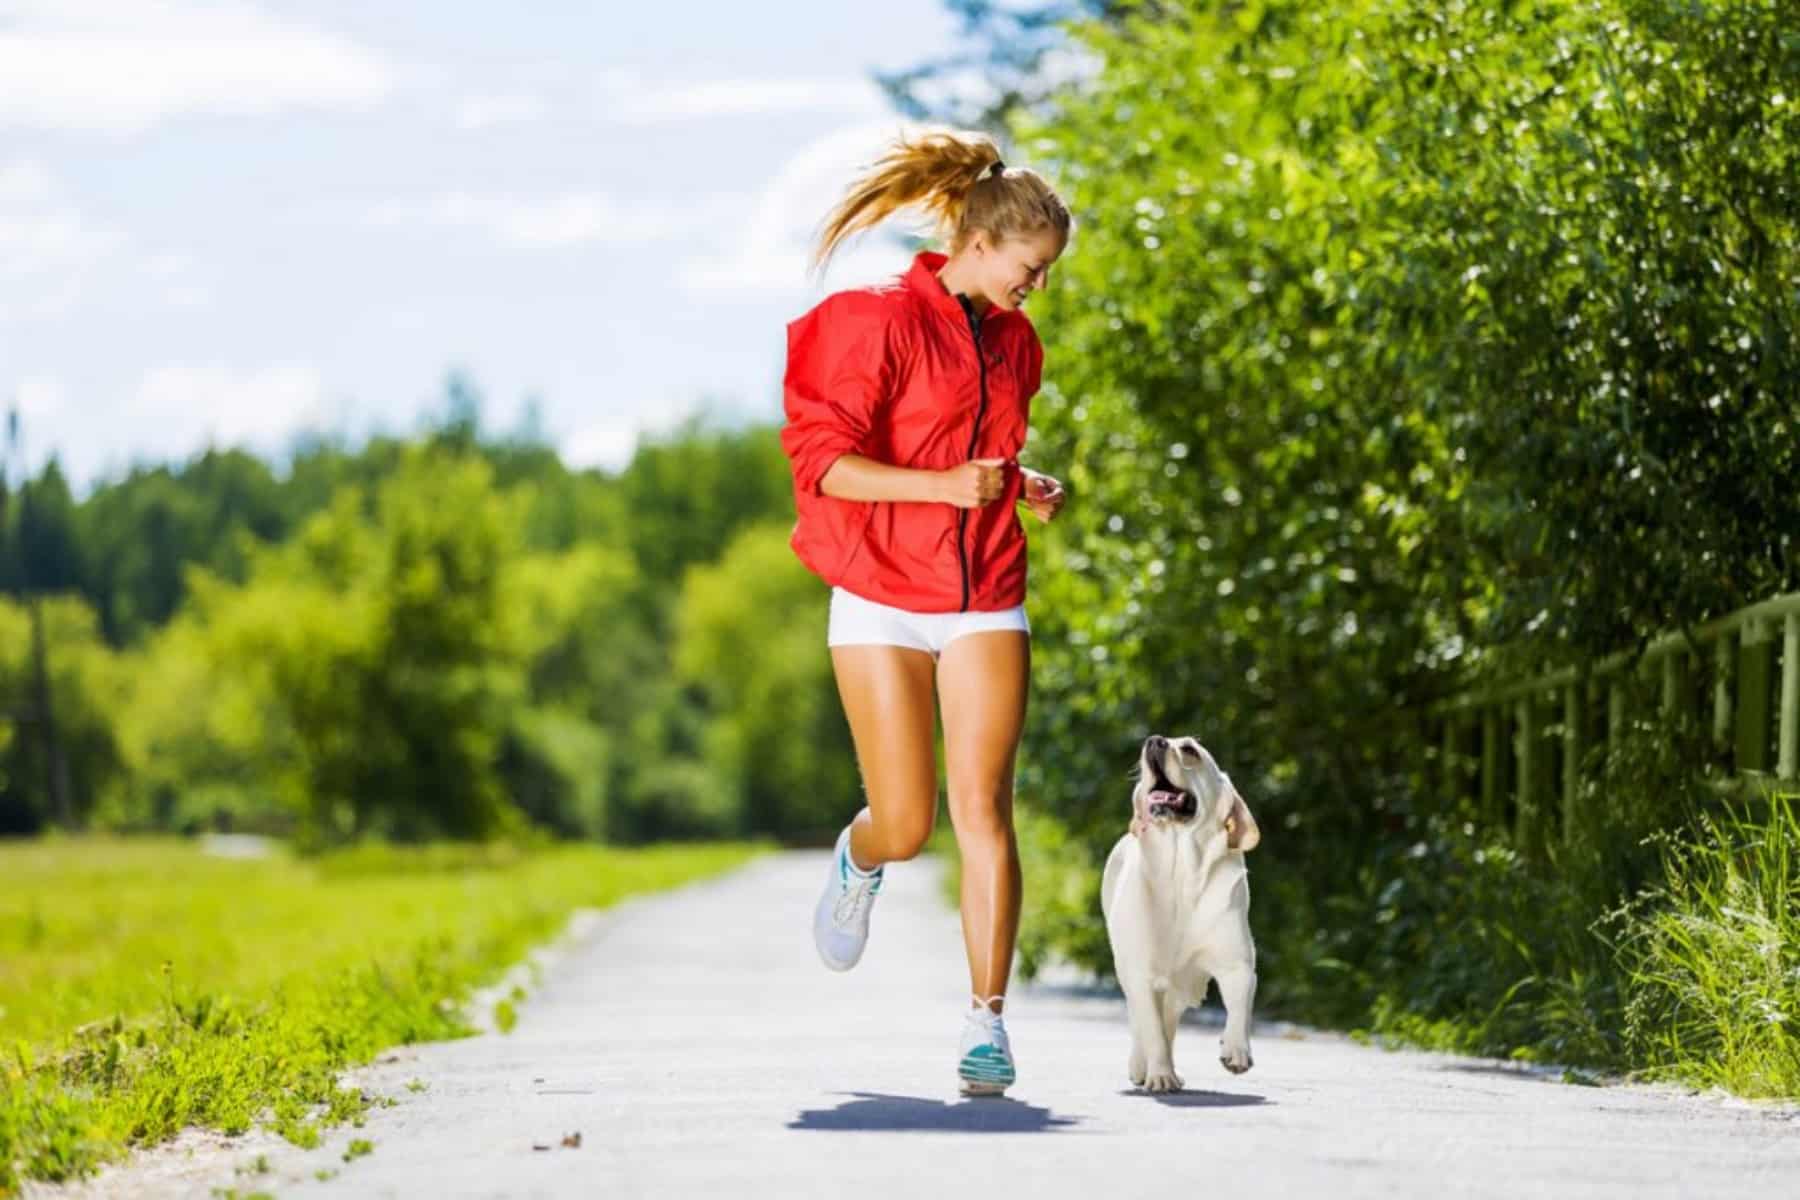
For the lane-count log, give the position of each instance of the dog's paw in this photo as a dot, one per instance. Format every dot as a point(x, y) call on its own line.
point(1235, 1059)
point(1162, 1079)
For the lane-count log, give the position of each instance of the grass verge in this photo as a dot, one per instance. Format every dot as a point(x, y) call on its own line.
point(145, 987)
point(1713, 957)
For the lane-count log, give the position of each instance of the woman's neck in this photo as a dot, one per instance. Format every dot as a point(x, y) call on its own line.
point(953, 276)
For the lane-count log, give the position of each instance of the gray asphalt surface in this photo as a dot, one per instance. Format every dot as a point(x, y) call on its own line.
point(698, 1047)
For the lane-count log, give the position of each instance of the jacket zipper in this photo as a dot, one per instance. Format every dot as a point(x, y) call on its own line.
point(962, 514)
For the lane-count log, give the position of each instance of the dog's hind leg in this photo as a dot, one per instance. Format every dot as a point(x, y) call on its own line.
point(1237, 988)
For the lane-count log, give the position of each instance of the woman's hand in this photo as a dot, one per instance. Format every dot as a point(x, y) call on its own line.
point(1043, 494)
point(976, 482)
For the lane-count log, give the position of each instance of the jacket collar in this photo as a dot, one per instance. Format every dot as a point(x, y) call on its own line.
point(922, 278)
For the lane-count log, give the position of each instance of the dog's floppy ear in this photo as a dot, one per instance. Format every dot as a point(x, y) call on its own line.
point(1241, 832)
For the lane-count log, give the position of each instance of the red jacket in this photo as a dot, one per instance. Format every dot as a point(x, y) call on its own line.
point(891, 372)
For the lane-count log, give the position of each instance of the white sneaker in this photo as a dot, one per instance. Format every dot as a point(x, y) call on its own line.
point(984, 1062)
point(841, 920)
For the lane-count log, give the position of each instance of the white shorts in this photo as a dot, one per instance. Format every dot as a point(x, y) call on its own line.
point(858, 620)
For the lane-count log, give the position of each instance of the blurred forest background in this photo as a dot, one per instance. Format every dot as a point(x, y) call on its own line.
point(1400, 345)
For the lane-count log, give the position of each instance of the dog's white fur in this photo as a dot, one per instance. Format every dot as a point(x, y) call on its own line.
point(1176, 896)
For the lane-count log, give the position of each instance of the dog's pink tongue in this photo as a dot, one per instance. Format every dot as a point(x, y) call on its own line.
point(1162, 797)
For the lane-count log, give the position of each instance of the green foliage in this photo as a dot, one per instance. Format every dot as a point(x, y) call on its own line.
point(84, 680)
point(42, 553)
point(1713, 953)
point(362, 671)
point(1400, 344)
point(145, 987)
point(750, 643)
point(689, 491)
point(137, 535)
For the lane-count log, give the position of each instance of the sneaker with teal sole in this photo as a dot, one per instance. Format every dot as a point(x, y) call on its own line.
point(985, 1062)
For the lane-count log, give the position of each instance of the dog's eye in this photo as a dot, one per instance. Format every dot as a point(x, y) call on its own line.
point(1186, 752)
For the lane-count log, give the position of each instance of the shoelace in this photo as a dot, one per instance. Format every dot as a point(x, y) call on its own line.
point(858, 894)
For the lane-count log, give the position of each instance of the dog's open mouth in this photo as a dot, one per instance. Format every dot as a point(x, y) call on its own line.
point(1167, 800)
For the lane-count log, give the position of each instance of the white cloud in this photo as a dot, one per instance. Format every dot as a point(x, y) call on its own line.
point(179, 407)
point(634, 100)
point(610, 446)
point(773, 249)
point(51, 253)
point(538, 222)
point(173, 412)
point(167, 265)
point(173, 274)
point(38, 398)
point(485, 112)
point(125, 65)
point(48, 250)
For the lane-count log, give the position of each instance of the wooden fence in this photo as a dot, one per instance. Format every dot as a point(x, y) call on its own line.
point(1524, 741)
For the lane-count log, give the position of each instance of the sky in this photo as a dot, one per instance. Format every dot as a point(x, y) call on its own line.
point(227, 223)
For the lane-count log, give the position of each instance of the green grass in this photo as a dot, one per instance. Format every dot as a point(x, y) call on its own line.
point(1714, 955)
point(145, 987)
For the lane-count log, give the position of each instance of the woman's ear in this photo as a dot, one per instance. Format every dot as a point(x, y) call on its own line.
point(1241, 832)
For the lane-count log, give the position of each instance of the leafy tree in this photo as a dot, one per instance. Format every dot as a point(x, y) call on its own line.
point(367, 668)
point(687, 493)
point(750, 639)
point(85, 682)
point(1006, 48)
point(1398, 341)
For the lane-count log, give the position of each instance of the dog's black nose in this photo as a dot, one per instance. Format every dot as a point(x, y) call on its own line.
point(1155, 742)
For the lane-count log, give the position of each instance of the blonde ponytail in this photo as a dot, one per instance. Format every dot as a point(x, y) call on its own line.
point(950, 174)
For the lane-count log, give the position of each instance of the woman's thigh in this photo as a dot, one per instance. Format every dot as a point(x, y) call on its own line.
point(982, 681)
point(887, 696)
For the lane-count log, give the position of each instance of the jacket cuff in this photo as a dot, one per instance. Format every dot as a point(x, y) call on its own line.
point(812, 465)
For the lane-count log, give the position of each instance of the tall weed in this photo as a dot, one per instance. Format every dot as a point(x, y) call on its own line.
point(1712, 955)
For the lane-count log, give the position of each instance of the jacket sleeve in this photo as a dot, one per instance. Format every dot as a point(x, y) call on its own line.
point(1032, 373)
point(838, 373)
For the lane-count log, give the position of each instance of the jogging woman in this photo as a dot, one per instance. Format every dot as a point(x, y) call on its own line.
point(907, 405)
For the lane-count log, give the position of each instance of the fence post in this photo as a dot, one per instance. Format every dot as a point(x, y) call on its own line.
point(1789, 765)
point(1571, 755)
point(1525, 816)
point(1724, 659)
point(1755, 669)
point(1490, 764)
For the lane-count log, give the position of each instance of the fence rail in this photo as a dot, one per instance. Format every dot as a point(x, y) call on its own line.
point(1748, 660)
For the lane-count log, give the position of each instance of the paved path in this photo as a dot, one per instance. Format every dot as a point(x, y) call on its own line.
point(698, 1047)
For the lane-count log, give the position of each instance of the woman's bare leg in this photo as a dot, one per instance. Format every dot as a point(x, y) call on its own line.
point(886, 691)
point(982, 682)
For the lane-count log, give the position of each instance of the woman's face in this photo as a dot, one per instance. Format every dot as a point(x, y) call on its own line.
point(1010, 270)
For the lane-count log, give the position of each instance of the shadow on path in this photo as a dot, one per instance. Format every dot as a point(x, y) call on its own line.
point(1526, 1071)
point(987, 1114)
point(1189, 1098)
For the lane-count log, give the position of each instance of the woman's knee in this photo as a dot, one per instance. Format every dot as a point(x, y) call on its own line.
point(903, 839)
point(982, 815)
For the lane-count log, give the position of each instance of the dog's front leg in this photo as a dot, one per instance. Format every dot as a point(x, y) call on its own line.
point(1237, 988)
point(1151, 1067)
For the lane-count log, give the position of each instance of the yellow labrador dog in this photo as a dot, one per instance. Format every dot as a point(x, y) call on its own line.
point(1176, 896)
